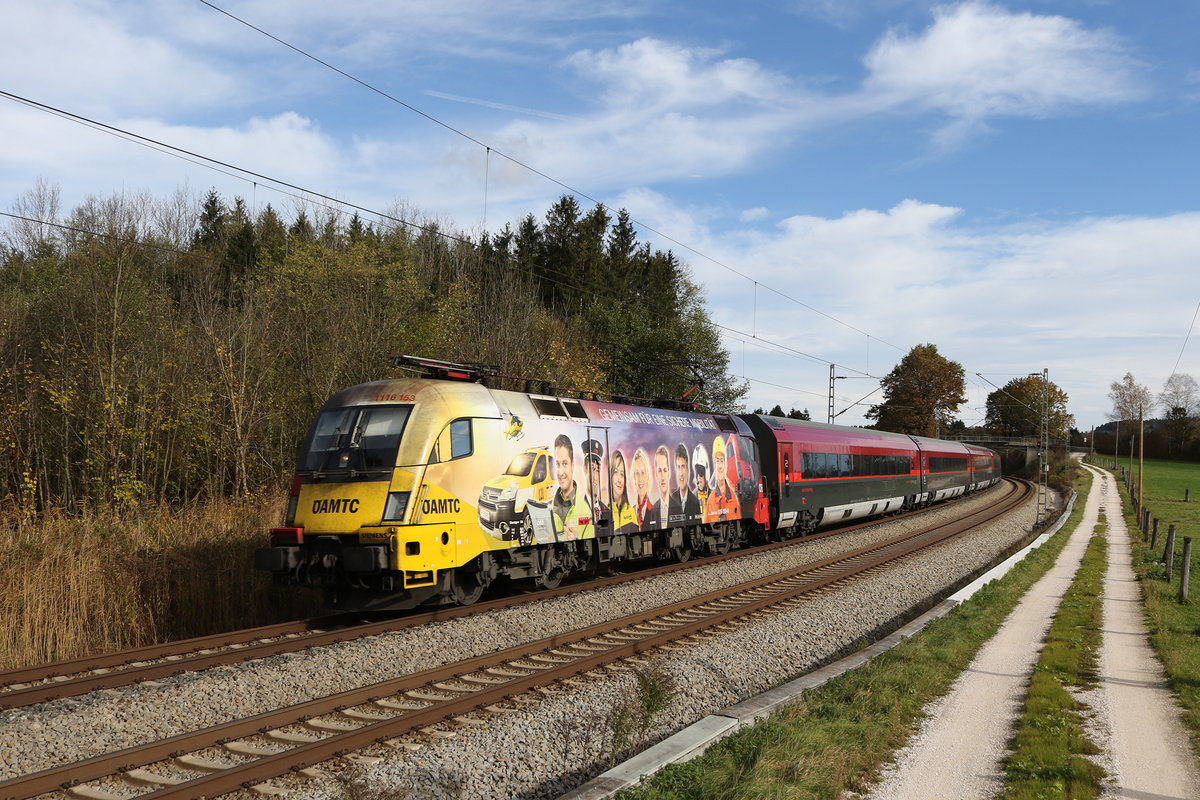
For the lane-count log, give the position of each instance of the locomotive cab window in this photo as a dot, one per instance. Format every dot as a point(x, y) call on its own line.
point(460, 438)
point(454, 442)
point(354, 439)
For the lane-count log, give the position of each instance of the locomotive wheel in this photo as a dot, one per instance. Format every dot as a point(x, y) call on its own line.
point(552, 570)
point(465, 586)
point(683, 553)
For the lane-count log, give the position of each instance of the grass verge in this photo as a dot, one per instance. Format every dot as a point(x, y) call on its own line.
point(837, 737)
point(1174, 627)
point(1047, 758)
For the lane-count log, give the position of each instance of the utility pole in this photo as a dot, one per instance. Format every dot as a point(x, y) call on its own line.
point(1043, 503)
point(832, 378)
point(1141, 457)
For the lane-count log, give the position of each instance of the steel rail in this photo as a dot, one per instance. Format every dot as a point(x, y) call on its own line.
point(40, 684)
point(787, 587)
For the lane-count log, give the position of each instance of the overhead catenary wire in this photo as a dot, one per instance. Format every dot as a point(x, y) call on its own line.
point(1183, 347)
point(208, 258)
point(517, 162)
point(305, 194)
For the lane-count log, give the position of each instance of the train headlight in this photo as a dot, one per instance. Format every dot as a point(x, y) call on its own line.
point(393, 511)
point(509, 492)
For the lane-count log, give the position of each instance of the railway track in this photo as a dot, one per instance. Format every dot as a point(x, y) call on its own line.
point(259, 748)
point(71, 678)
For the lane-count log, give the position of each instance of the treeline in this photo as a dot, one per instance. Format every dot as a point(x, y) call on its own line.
point(163, 349)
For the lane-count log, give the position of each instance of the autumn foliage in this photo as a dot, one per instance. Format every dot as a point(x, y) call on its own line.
point(167, 354)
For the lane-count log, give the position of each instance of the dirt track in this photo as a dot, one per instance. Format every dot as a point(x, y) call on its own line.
point(957, 752)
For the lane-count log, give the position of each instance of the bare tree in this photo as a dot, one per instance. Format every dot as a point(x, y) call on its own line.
point(29, 236)
point(1180, 399)
point(1131, 400)
point(1180, 391)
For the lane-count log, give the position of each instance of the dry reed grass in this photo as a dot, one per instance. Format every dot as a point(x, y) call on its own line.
point(73, 585)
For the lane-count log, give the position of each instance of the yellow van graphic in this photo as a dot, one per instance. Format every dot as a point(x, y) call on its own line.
point(502, 503)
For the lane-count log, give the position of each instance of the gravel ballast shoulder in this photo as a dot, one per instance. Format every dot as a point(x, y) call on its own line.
point(565, 737)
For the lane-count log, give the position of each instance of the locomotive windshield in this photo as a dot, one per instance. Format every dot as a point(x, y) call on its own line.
point(355, 439)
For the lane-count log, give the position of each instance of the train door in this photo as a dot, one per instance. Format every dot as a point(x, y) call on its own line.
point(785, 469)
point(595, 458)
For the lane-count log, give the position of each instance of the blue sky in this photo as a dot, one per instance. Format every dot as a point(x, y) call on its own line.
point(1014, 182)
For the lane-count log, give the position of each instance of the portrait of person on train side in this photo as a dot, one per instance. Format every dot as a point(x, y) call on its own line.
point(700, 467)
point(662, 482)
point(722, 503)
point(624, 517)
point(685, 506)
point(593, 459)
point(643, 506)
point(572, 509)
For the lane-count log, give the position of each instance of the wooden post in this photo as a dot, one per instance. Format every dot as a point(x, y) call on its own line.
point(1169, 552)
point(1186, 492)
point(1145, 520)
point(1155, 530)
point(1186, 575)
point(1154, 539)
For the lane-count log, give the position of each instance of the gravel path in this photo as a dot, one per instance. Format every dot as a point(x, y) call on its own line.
point(547, 746)
point(958, 749)
point(1146, 749)
point(957, 752)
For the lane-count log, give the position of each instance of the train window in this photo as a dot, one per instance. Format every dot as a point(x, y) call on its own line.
point(355, 439)
point(547, 406)
point(749, 449)
point(824, 468)
point(574, 409)
point(844, 465)
point(725, 423)
point(461, 443)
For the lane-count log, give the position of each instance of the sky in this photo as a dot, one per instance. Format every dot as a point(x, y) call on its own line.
point(1013, 182)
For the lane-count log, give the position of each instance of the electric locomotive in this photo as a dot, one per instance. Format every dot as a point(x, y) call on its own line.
point(427, 489)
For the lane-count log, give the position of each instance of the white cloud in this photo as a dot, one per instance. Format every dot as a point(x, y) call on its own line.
point(91, 58)
point(652, 75)
point(978, 61)
point(1088, 299)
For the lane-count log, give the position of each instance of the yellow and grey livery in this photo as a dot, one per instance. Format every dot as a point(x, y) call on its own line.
point(427, 489)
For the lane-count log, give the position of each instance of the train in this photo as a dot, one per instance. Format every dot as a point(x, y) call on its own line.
point(426, 490)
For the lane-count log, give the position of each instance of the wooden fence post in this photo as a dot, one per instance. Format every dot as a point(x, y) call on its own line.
point(1186, 574)
point(1169, 551)
point(1154, 538)
point(1155, 530)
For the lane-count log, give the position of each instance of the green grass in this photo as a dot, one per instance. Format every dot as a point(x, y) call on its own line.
point(1047, 758)
point(1174, 627)
point(1165, 484)
point(837, 737)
